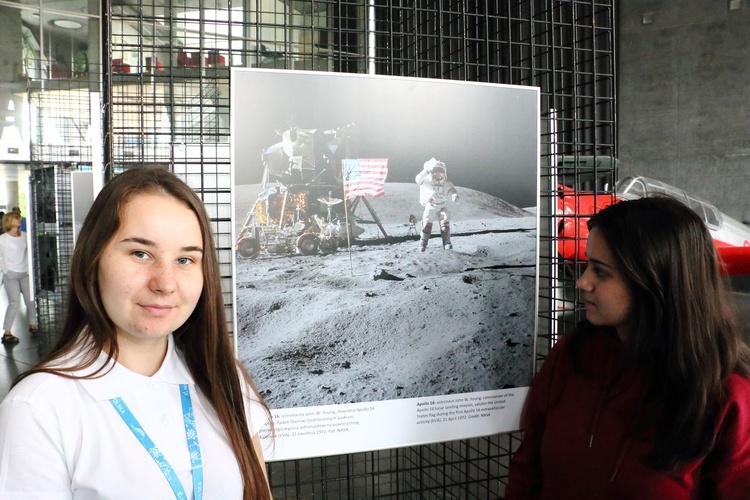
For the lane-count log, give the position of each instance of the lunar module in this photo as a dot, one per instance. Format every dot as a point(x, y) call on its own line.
point(301, 207)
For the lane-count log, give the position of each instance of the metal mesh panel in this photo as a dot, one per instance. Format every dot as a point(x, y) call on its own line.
point(166, 99)
point(472, 468)
point(61, 143)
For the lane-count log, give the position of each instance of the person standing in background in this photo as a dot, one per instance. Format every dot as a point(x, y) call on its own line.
point(14, 262)
point(17, 210)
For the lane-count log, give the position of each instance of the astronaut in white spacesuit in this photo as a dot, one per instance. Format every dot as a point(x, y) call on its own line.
point(434, 192)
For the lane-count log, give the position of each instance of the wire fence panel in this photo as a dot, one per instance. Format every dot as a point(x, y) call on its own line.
point(165, 103)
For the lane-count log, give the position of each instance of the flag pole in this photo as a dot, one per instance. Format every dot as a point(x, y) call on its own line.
point(346, 218)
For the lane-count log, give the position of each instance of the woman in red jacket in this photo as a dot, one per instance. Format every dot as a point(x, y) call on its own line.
point(649, 397)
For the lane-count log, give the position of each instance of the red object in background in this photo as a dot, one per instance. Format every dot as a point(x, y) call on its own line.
point(214, 58)
point(735, 261)
point(154, 65)
point(188, 61)
point(120, 67)
point(574, 208)
point(58, 71)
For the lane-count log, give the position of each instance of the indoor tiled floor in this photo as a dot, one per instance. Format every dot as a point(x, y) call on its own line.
point(16, 358)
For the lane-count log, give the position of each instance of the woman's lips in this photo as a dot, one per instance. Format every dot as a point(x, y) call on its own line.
point(157, 310)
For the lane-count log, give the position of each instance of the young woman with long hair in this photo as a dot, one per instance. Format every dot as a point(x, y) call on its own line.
point(649, 397)
point(143, 396)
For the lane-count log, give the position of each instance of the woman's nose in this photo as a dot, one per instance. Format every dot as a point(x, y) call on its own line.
point(583, 282)
point(163, 279)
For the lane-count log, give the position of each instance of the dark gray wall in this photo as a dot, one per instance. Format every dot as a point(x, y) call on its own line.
point(684, 97)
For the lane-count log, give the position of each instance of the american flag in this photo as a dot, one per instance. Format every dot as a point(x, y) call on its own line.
point(364, 177)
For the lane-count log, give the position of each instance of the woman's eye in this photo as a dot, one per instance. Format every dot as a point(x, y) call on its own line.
point(139, 254)
point(184, 260)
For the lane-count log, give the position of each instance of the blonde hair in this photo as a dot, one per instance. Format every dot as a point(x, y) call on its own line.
point(7, 218)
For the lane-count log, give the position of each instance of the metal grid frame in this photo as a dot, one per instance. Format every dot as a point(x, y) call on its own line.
point(472, 468)
point(170, 109)
point(60, 145)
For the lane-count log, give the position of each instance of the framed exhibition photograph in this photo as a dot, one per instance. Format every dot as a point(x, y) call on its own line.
point(386, 256)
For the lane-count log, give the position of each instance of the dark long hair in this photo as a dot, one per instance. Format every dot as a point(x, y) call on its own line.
point(203, 339)
point(682, 330)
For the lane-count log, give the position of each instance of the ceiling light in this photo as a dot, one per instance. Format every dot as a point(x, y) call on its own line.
point(67, 24)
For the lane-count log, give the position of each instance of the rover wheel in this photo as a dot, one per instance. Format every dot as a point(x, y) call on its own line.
point(248, 248)
point(328, 245)
point(307, 244)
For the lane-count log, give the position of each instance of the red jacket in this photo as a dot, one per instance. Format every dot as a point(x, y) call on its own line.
point(578, 442)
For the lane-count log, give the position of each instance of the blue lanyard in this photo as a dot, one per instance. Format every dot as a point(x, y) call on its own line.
point(192, 438)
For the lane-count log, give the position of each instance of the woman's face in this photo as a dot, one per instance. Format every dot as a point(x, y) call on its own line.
point(150, 273)
point(606, 296)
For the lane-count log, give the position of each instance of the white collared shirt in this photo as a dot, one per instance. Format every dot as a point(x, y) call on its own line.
point(62, 439)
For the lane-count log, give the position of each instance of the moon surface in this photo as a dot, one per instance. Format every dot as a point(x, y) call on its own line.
point(385, 321)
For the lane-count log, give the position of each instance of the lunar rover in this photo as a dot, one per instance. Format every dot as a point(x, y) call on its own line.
point(287, 219)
